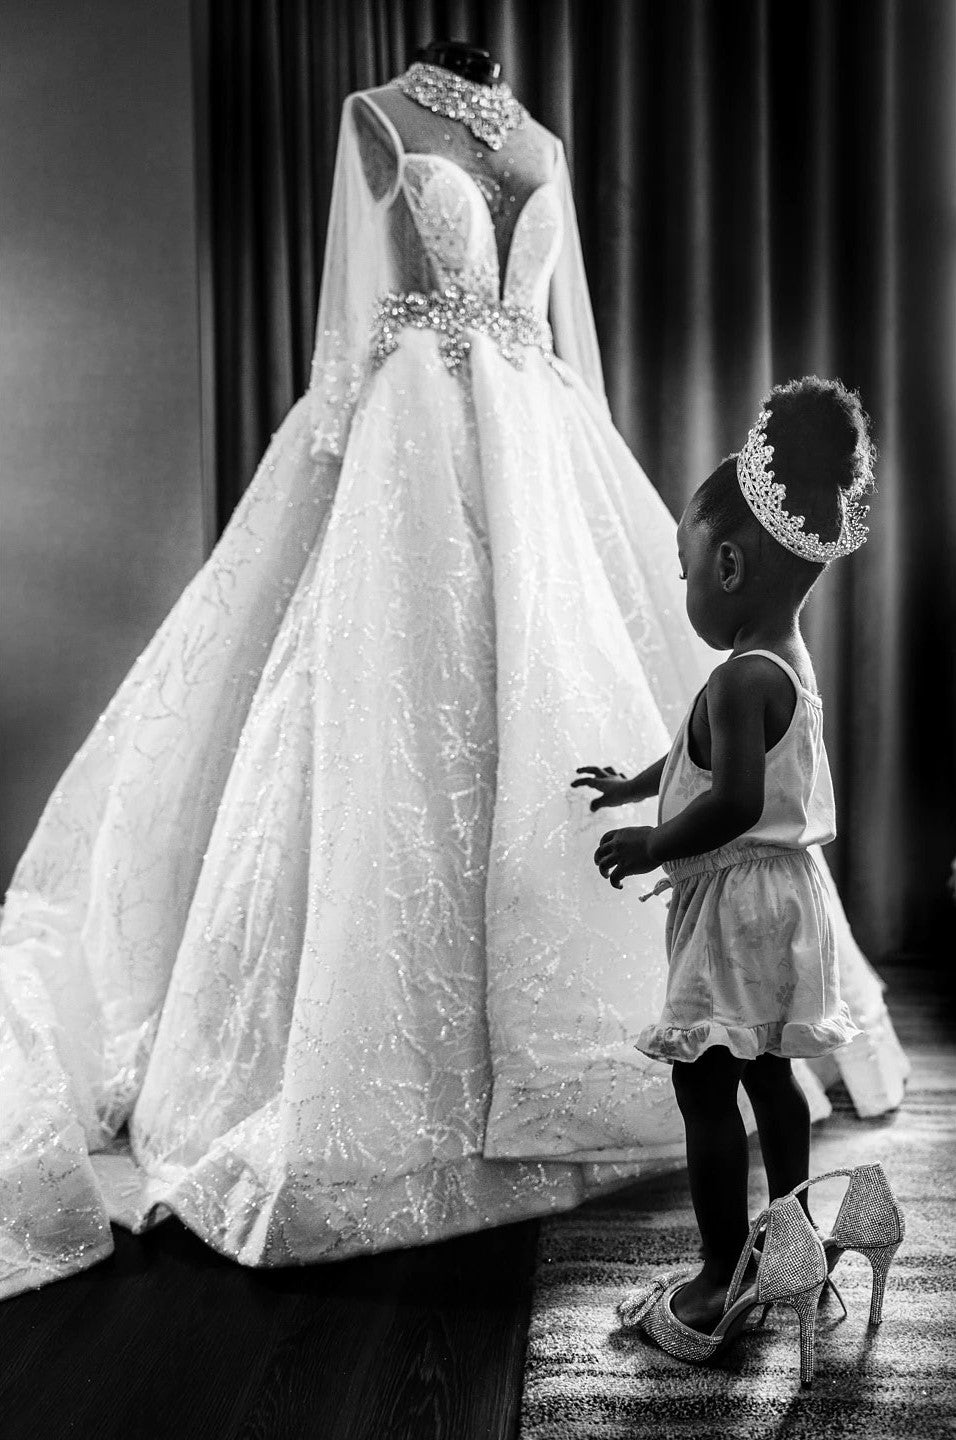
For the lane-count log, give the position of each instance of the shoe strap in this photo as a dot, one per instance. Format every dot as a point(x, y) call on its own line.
point(869, 1213)
point(795, 1249)
point(829, 1175)
point(745, 1254)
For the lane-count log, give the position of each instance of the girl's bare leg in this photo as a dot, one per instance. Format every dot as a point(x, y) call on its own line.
point(717, 1163)
point(783, 1123)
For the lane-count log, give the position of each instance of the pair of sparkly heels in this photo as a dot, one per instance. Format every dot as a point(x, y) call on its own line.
point(793, 1268)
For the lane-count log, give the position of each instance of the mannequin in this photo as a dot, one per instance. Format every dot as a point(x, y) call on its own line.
point(466, 60)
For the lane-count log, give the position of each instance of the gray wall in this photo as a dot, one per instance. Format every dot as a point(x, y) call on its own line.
point(102, 502)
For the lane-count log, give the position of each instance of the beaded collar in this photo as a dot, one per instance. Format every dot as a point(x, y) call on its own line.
point(491, 112)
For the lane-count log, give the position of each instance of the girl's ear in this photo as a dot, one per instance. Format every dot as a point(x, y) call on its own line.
point(730, 566)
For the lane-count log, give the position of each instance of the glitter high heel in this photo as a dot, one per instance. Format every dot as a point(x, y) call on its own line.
point(828, 1284)
point(869, 1221)
point(791, 1270)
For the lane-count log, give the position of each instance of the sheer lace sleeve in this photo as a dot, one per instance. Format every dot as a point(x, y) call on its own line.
point(572, 319)
point(356, 273)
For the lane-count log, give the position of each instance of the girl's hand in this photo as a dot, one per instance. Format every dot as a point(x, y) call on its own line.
point(615, 788)
point(625, 852)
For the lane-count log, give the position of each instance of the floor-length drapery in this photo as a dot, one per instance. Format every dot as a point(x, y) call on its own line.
point(778, 197)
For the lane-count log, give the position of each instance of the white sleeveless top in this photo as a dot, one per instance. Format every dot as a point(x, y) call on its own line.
point(798, 791)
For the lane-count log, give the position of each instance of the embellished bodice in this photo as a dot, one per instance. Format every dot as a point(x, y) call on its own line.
point(454, 226)
point(468, 254)
point(430, 228)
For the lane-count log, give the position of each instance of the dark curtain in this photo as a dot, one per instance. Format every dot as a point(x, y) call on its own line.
point(765, 188)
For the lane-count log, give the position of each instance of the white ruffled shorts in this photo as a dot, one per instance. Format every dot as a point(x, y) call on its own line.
point(751, 959)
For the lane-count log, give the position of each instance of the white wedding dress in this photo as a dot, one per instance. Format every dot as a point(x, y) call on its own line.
point(308, 947)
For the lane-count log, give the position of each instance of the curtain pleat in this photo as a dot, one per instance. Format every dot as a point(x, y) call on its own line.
point(764, 189)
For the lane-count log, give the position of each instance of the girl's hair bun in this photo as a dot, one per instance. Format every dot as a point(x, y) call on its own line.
point(821, 436)
point(821, 447)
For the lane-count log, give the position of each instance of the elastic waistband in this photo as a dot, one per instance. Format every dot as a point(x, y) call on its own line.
point(724, 858)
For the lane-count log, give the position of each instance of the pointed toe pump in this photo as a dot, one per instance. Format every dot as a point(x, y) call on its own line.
point(791, 1270)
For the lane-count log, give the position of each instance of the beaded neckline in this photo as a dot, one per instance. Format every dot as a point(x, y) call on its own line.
point(490, 112)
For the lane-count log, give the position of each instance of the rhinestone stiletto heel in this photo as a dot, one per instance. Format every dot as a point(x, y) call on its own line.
point(791, 1270)
point(869, 1221)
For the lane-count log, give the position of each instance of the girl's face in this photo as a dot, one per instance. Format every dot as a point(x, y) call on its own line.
point(707, 608)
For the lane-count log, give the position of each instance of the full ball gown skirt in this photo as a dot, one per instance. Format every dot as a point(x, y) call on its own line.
point(313, 912)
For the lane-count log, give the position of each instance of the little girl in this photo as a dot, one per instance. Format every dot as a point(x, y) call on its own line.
point(744, 791)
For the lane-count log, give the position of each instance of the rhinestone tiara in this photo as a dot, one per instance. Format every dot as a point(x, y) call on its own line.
point(766, 497)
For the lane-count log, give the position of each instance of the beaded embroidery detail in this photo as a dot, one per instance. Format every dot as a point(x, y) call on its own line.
point(766, 500)
point(491, 112)
point(453, 312)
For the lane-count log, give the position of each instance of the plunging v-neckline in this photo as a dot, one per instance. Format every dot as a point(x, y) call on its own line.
point(503, 276)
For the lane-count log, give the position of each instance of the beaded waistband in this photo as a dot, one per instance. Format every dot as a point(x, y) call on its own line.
point(456, 313)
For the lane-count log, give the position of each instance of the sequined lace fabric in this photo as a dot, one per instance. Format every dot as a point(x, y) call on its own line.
point(307, 947)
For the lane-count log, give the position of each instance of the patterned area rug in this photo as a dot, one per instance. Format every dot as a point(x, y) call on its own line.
point(587, 1379)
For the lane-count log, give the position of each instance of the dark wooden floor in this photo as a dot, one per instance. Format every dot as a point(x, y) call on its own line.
point(168, 1341)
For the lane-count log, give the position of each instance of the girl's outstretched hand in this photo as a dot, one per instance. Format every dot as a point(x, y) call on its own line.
point(615, 788)
point(625, 852)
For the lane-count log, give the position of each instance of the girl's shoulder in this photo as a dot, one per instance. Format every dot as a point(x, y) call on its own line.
point(753, 688)
point(775, 671)
point(745, 675)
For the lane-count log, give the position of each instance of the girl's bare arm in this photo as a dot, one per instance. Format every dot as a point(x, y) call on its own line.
point(736, 705)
